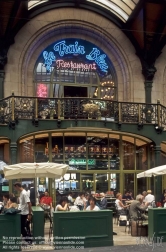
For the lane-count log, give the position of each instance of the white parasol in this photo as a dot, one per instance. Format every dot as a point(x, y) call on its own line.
point(33, 170)
point(160, 170)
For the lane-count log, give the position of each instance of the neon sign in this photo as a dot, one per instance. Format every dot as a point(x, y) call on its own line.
point(63, 49)
point(75, 49)
point(42, 90)
point(49, 58)
point(82, 162)
point(99, 59)
point(74, 66)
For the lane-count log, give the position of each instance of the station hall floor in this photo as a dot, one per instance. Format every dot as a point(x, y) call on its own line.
point(123, 241)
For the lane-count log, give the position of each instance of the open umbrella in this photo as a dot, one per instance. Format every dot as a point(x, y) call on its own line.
point(2, 164)
point(33, 170)
point(160, 170)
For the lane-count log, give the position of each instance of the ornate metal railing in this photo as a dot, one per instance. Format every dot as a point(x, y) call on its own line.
point(14, 108)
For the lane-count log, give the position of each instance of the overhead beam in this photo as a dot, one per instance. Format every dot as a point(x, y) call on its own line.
point(21, 6)
point(155, 45)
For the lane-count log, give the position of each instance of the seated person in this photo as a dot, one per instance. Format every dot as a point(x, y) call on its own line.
point(127, 196)
point(149, 197)
point(70, 198)
point(62, 205)
point(92, 206)
point(46, 200)
point(88, 196)
point(79, 202)
point(136, 206)
point(103, 201)
point(119, 205)
point(6, 200)
point(13, 202)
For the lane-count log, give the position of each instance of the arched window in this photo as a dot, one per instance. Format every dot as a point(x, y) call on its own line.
point(75, 69)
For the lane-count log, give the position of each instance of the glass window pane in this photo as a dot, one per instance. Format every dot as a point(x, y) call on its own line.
point(75, 152)
point(87, 182)
point(128, 153)
point(114, 183)
point(97, 152)
point(141, 185)
point(129, 182)
point(26, 148)
point(41, 150)
point(142, 158)
point(101, 183)
point(70, 182)
point(113, 151)
point(57, 149)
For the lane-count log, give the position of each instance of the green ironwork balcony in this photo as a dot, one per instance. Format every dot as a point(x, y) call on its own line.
point(35, 108)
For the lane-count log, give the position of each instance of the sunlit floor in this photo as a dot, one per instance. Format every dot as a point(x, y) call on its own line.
point(122, 238)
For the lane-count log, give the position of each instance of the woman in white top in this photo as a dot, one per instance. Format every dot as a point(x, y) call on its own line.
point(119, 205)
point(63, 205)
point(92, 206)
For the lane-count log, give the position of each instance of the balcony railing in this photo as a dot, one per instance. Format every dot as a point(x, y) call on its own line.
point(35, 108)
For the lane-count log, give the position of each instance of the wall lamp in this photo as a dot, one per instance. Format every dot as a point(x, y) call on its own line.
point(140, 126)
point(59, 123)
point(158, 129)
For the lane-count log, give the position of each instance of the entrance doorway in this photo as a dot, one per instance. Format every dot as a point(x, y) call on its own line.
point(71, 91)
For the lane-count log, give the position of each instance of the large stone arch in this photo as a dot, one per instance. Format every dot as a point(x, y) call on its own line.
point(52, 25)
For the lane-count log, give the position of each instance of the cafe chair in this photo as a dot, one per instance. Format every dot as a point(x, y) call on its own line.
point(128, 223)
point(116, 215)
point(141, 225)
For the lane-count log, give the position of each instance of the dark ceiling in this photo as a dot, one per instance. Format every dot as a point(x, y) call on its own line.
point(146, 27)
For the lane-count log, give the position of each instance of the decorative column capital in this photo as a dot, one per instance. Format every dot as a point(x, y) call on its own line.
point(148, 71)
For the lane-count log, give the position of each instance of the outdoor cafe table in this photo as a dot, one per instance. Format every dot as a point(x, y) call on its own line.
point(83, 229)
point(157, 224)
point(10, 232)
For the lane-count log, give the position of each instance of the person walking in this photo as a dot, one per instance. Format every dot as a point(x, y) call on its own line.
point(25, 207)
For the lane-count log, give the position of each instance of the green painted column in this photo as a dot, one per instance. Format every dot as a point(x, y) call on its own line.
point(2, 76)
point(13, 149)
point(158, 179)
point(148, 90)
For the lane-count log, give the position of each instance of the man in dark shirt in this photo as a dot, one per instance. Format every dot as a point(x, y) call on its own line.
point(103, 201)
point(127, 196)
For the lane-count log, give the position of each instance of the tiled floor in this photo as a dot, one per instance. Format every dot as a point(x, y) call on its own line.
point(122, 238)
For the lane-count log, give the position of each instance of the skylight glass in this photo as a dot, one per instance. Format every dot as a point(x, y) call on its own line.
point(121, 8)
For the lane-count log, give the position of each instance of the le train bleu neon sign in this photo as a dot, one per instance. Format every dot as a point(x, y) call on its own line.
point(75, 49)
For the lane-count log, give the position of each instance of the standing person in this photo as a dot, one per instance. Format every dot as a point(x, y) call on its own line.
point(25, 207)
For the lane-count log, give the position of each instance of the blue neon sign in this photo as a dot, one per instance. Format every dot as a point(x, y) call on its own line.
point(75, 49)
point(49, 58)
point(63, 49)
point(99, 59)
